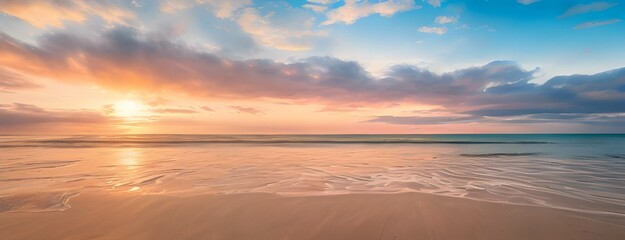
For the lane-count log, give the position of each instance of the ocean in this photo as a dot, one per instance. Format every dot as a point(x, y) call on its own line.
point(578, 172)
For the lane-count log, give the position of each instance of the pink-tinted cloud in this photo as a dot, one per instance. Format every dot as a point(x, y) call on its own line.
point(294, 33)
point(353, 10)
point(221, 9)
point(207, 108)
point(125, 59)
point(17, 117)
point(54, 13)
point(174, 110)
point(10, 80)
point(249, 110)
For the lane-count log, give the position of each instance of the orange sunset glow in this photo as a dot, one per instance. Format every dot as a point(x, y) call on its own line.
point(312, 119)
point(85, 66)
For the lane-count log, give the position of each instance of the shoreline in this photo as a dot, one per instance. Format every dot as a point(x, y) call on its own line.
point(271, 216)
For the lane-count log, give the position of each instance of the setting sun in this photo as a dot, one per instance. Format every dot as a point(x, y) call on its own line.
point(129, 109)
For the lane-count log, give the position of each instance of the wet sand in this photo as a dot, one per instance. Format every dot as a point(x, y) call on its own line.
point(268, 216)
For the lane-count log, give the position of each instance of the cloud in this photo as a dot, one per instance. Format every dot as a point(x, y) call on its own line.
point(353, 10)
point(173, 110)
point(208, 109)
point(221, 9)
point(419, 120)
point(138, 3)
point(316, 8)
point(155, 101)
point(488, 28)
point(434, 3)
point(586, 8)
point(581, 94)
point(152, 64)
point(21, 107)
point(10, 80)
point(445, 19)
point(248, 110)
point(342, 108)
point(588, 122)
point(19, 115)
point(527, 2)
point(435, 30)
point(43, 14)
point(323, 1)
point(596, 23)
point(290, 31)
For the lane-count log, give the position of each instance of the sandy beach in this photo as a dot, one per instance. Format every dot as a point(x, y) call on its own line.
point(269, 216)
point(298, 190)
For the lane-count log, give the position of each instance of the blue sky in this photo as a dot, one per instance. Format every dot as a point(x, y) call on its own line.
point(381, 65)
point(535, 35)
point(538, 34)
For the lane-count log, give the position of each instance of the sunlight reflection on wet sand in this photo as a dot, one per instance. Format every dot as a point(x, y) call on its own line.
point(319, 169)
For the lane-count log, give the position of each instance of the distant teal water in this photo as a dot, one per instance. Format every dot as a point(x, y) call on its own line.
point(580, 172)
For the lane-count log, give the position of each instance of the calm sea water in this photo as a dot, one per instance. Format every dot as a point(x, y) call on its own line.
point(578, 172)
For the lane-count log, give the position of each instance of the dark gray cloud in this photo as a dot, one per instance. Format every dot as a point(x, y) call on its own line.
point(598, 93)
point(123, 58)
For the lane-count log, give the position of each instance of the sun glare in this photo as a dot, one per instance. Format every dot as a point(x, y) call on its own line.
point(129, 109)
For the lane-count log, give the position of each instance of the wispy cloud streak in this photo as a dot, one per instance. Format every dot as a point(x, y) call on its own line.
point(596, 23)
point(586, 8)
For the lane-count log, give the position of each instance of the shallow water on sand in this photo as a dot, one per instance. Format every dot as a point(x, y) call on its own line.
point(578, 172)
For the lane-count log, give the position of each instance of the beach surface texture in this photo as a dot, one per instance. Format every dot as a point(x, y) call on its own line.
point(268, 216)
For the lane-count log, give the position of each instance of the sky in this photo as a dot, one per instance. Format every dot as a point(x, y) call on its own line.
point(311, 67)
